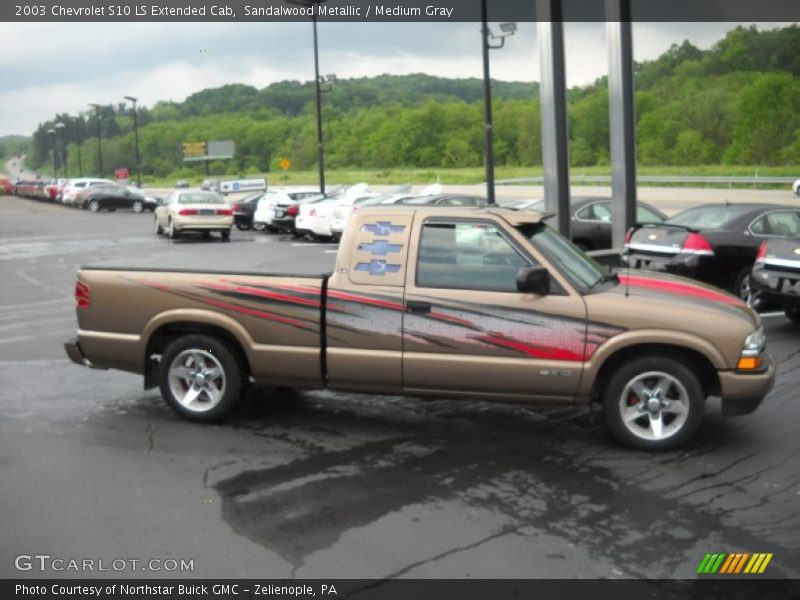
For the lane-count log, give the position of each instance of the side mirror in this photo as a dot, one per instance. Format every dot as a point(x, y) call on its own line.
point(533, 280)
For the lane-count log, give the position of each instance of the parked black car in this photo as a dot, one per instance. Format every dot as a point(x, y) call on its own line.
point(591, 219)
point(715, 243)
point(243, 212)
point(107, 197)
point(776, 275)
point(444, 200)
point(143, 201)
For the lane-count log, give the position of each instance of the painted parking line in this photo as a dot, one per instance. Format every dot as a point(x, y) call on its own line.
point(332, 251)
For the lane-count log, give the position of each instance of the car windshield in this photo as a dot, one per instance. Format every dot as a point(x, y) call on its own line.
point(708, 217)
point(582, 271)
point(200, 198)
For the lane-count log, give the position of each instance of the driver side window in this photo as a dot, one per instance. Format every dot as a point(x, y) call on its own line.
point(469, 256)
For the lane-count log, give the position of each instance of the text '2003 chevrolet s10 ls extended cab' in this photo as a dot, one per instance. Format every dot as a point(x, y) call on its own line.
point(488, 303)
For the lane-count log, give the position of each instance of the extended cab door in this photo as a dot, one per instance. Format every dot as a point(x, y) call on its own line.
point(468, 330)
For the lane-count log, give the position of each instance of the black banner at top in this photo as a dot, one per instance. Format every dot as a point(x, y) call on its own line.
point(394, 10)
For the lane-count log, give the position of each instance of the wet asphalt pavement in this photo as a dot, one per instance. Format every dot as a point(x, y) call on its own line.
point(321, 484)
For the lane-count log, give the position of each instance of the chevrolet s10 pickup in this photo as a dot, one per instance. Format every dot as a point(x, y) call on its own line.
point(481, 303)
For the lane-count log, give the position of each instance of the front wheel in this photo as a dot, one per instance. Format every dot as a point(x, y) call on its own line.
point(138, 206)
point(259, 226)
point(200, 378)
point(172, 233)
point(653, 403)
point(94, 206)
point(743, 287)
point(793, 314)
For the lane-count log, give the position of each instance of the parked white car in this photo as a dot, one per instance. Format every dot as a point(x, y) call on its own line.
point(74, 186)
point(194, 211)
point(273, 204)
point(796, 187)
point(316, 219)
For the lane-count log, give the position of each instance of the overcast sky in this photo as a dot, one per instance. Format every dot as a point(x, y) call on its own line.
point(70, 65)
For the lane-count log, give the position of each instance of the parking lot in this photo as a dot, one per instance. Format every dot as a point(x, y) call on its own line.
point(322, 484)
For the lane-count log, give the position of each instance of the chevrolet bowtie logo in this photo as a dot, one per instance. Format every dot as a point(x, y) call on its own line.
point(380, 247)
point(383, 228)
point(377, 267)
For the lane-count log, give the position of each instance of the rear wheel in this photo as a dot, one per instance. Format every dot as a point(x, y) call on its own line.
point(200, 378)
point(242, 226)
point(259, 226)
point(94, 206)
point(653, 403)
point(793, 314)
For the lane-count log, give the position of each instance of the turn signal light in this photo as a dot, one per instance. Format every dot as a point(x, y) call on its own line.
point(697, 244)
point(186, 212)
point(82, 295)
point(748, 363)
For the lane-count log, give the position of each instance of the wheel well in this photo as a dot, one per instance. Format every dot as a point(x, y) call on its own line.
point(692, 359)
point(165, 334)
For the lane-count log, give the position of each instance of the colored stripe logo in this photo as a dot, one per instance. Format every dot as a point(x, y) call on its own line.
point(734, 564)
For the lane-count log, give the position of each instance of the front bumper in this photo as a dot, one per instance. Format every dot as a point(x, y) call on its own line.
point(75, 354)
point(742, 392)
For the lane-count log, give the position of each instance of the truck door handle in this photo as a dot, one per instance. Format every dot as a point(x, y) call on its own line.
point(421, 308)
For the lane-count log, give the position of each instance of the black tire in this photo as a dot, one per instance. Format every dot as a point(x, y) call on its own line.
point(259, 226)
point(793, 314)
point(743, 288)
point(137, 206)
point(159, 228)
point(232, 376)
point(693, 403)
point(172, 233)
point(94, 206)
point(226, 235)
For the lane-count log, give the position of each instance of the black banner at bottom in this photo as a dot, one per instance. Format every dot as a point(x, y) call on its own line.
point(400, 589)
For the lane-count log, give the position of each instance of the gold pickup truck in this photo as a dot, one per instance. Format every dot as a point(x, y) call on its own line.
point(488, 303)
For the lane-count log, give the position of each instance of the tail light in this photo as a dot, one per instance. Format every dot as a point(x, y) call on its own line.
point(224, 212)
point(697, 244)
point(186, 212)
point(761, 256)
point(628, 236)
point(236, 208)
point(292, 210)
point(82, 295)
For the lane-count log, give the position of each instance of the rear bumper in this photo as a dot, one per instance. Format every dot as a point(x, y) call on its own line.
point(777, 286)
point(75, 354)
point(742, 393)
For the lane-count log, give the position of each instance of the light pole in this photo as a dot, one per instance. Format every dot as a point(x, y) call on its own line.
point(317, 81)
point(53, 150)
point(78, 138)
point(136, 141)
point(97, 108)
point(59, 127)
point(506, 29)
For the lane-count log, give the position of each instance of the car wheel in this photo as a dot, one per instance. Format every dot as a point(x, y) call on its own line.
point(653, 403)
point(793, 314)
point(242, 227)
point(159, 229)
point(172, 233)
point(94, 206)
point(200, 378)
point(743, 287)
point(226, 234)
point(259, 226)
point(138, 206)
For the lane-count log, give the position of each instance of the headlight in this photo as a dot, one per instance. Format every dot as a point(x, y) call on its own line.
point(750, 358)
point(754, 343)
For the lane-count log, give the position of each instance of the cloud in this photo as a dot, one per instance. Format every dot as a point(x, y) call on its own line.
point(74, 64)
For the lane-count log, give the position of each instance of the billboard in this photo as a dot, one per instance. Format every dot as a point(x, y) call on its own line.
point(207, 150)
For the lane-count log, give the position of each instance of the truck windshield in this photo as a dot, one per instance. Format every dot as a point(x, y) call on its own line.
point(582, 271)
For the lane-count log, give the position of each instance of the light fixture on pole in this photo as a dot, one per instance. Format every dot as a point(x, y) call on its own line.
point(78, 139)
point(136, 141)
point(506, 30)
point(97, 108)
point(59, 127)
point(317, 80)
point(52, 132)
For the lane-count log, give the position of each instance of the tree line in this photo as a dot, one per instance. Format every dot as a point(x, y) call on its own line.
point(736, 103)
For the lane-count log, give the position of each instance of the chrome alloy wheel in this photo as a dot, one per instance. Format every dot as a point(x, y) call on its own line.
point(197, 380)
point(654, 405)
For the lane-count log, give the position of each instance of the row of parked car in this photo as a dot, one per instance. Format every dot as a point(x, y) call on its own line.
point(93, 194)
